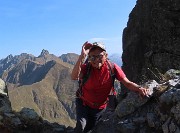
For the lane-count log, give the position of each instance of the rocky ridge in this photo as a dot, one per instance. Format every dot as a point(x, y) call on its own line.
point(157, 113)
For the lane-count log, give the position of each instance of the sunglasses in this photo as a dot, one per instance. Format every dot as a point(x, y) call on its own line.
point(94, 57)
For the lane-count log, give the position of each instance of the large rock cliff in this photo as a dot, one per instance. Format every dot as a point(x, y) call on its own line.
point(152, 39)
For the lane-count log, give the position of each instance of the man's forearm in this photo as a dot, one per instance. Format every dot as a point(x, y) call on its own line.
point(77, 68)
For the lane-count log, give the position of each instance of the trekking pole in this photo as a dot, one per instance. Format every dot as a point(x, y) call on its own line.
point(162, 75)
point(154, 74)
point(7, 90)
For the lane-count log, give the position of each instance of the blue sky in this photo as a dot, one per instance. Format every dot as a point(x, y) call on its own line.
point(61, 26)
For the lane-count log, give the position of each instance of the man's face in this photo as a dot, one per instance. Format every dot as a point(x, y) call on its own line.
point(97, 57)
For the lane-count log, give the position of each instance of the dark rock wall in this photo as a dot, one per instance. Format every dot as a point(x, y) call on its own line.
point(152, 39)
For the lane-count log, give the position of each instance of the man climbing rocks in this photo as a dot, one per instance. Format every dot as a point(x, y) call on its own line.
point(97, 85)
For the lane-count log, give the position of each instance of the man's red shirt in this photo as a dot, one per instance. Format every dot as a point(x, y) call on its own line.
point(99, 84)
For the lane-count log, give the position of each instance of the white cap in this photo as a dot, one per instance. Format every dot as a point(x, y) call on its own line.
point(98, 44)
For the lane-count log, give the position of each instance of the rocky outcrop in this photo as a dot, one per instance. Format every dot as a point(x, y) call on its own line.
point(158, 113)
point(28, 121)
point(151, 39)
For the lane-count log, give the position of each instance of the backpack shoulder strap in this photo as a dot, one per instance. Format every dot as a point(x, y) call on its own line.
point(87, 74)
point(113, 76)
point(111, 70)
point(83, 79)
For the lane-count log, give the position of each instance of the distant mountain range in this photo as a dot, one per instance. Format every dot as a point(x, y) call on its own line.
point(116, 58)
point(42, 83)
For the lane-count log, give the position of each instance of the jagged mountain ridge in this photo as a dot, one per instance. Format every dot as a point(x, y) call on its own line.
point(27, 72)
point(10, 61)
point(42, 83)
point(69, 58)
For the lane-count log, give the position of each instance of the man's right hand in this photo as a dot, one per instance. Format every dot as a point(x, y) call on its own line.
point(85, 48)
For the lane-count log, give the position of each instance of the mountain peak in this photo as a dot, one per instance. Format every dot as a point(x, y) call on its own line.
point(9, 56)
point(44, 53)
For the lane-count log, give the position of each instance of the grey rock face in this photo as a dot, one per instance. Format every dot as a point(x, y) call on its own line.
point(5, 105)
point(133, 101)
point(151, 39)
point(3, 90)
